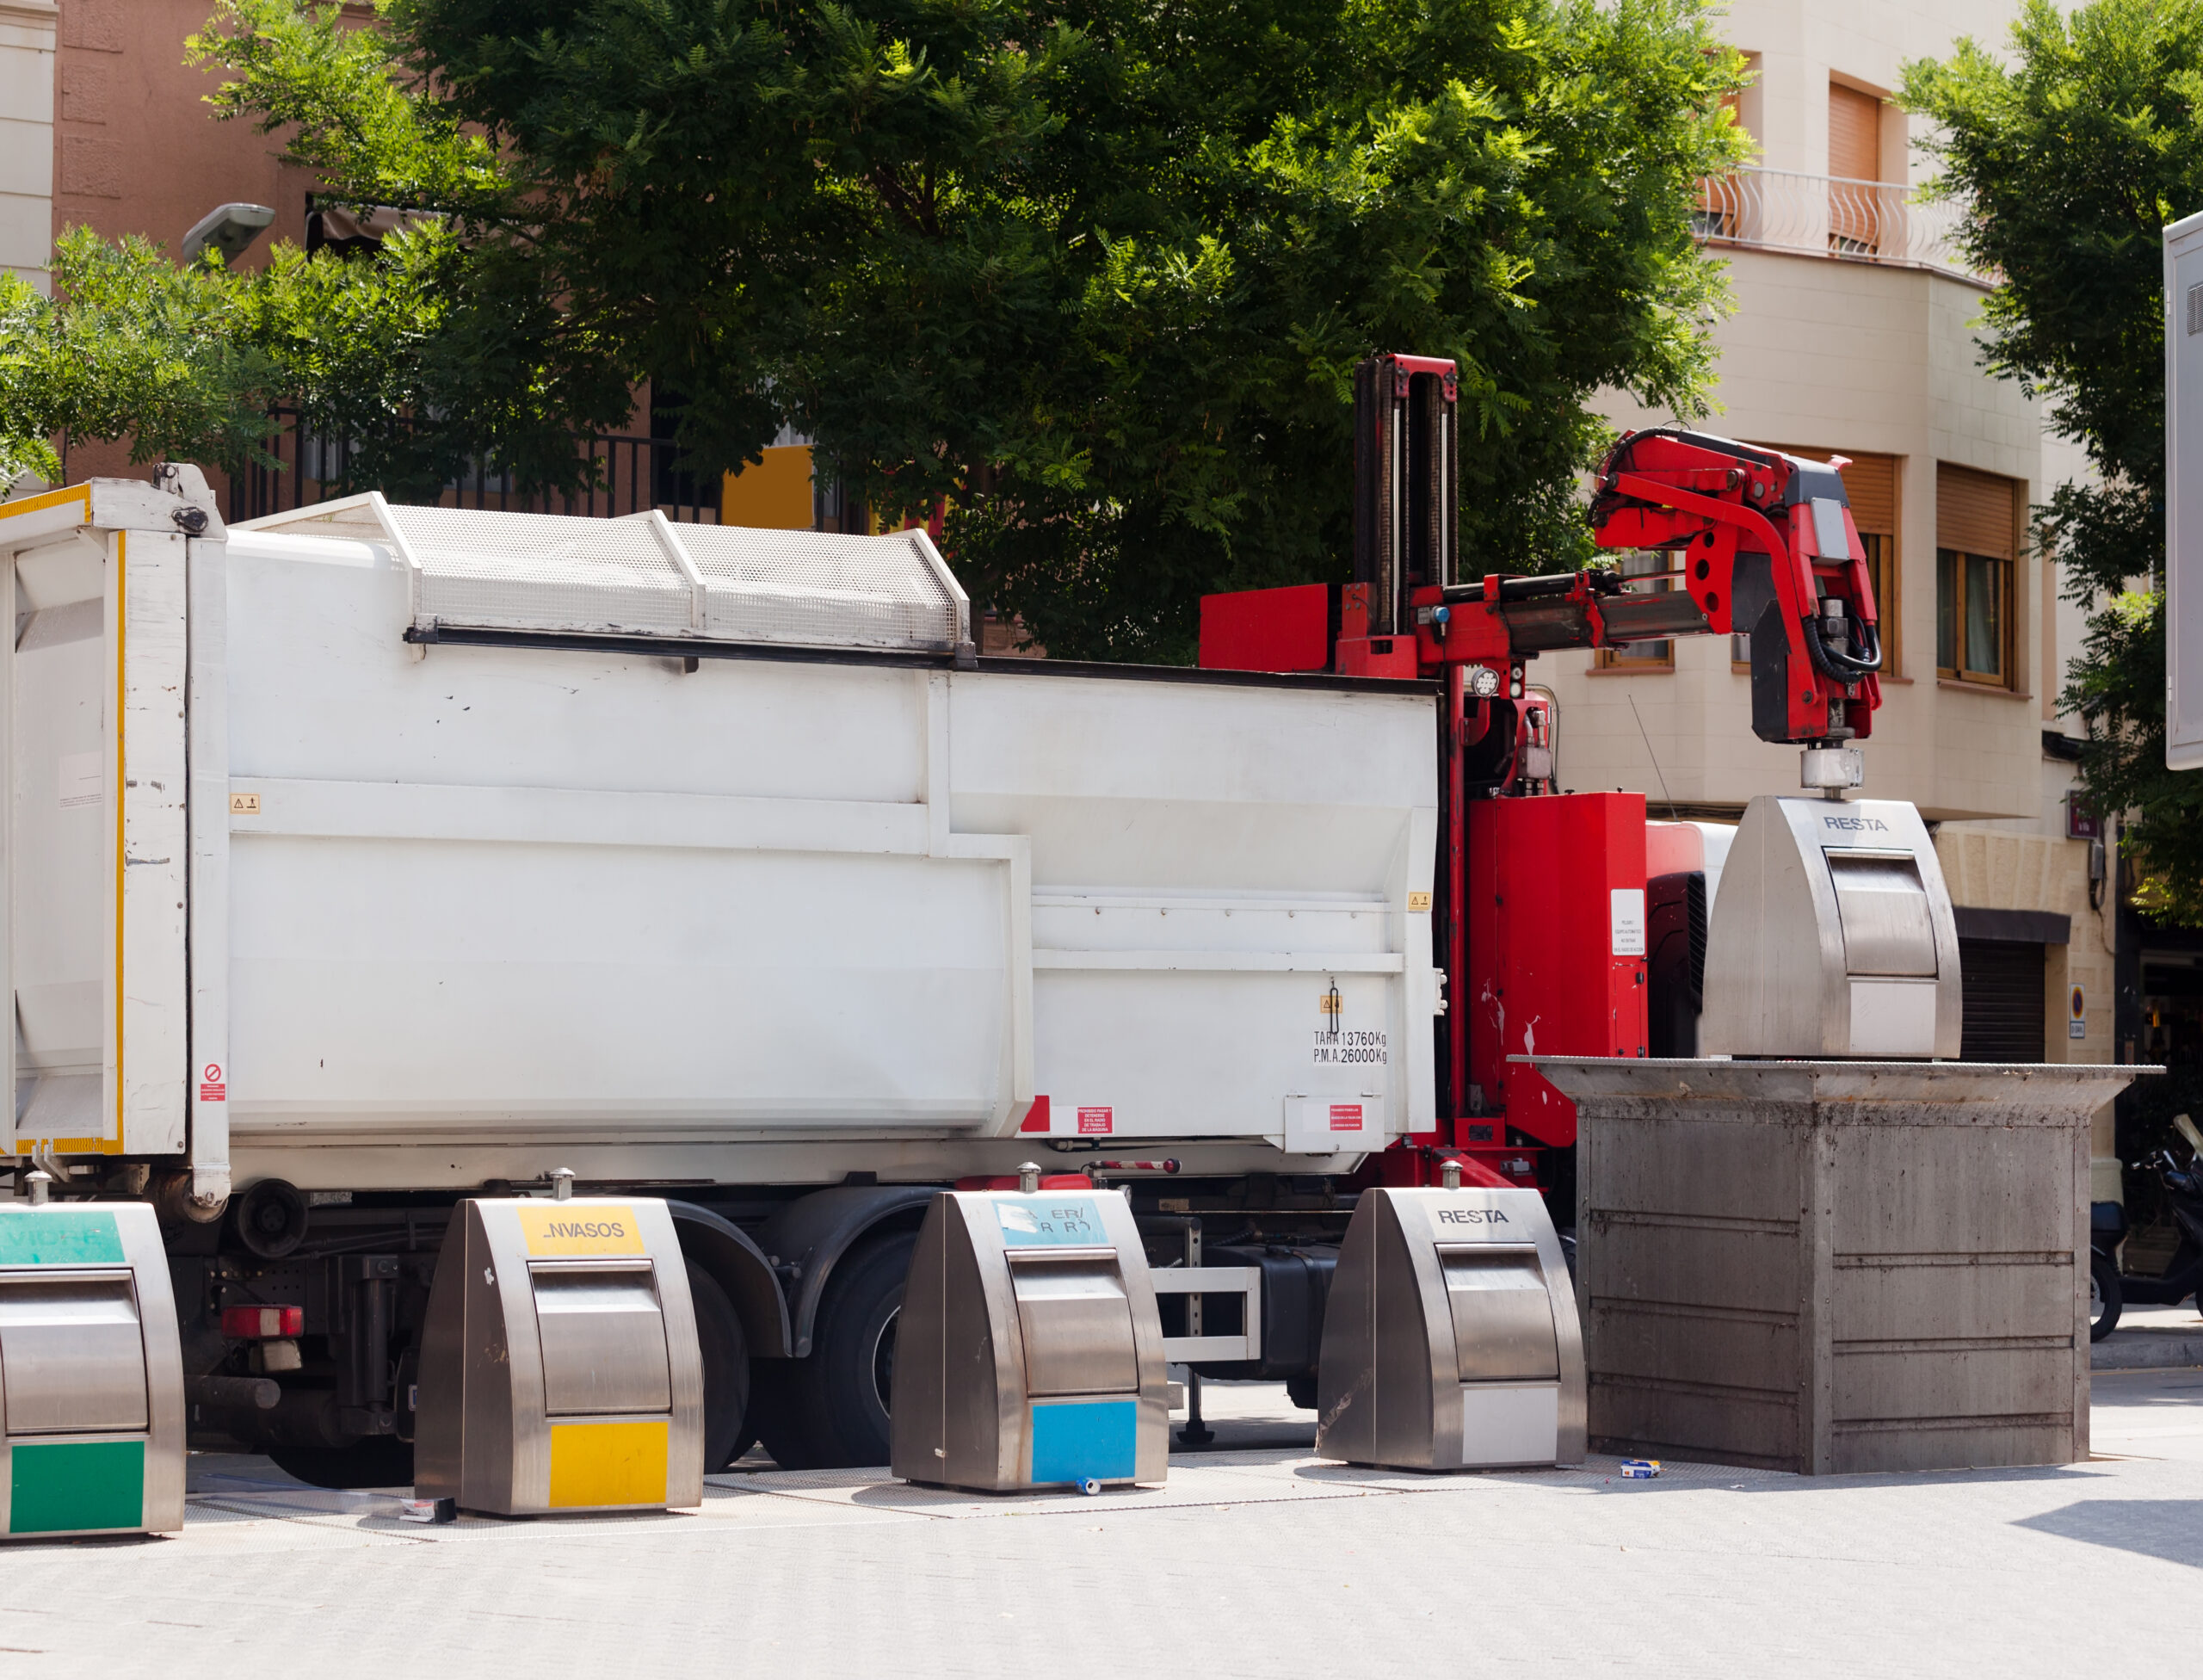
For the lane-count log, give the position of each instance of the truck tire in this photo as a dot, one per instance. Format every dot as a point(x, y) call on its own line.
point(726, 1371)
point(837, 1400)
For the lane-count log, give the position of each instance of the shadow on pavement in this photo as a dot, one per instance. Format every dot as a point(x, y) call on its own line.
point(2168, 1528)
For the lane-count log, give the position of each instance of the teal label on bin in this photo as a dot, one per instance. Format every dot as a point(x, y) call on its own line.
point(57, 1486)
point(60, 1237)
point(1046, 1221)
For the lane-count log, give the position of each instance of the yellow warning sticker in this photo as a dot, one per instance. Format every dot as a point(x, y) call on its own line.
point(1418, 904)
point(558, 1228)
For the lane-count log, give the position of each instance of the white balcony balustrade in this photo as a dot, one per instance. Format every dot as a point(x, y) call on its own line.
point(1867, 221)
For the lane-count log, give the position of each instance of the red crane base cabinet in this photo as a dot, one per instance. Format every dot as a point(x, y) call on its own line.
point(1555, 956)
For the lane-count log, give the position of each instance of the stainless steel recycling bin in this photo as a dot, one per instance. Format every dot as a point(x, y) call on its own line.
point(1450, 1338)
point(559, 1369)
point(91, 1372)
point(1029, 1353)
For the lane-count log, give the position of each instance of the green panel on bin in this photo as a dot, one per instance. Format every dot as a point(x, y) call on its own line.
point(61, 1486)
point(65, 1237)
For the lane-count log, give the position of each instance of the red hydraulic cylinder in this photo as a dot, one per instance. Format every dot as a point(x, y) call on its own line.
point(1556, 950)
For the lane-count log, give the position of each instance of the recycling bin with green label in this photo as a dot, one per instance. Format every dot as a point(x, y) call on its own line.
point(1029, 1353)
point(91, 1372)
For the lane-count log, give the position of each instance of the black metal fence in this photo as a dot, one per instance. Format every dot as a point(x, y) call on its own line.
point(627, 475)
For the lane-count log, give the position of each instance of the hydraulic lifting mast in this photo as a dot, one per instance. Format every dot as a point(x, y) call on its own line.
point(1755, 541)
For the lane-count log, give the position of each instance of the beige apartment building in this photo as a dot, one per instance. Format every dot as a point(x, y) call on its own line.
point(1854, 335)
point(28, 32)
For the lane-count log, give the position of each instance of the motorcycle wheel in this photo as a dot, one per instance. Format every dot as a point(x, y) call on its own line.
point(2104, 1299)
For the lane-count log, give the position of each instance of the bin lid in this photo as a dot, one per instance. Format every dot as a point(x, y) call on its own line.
point(642, 575)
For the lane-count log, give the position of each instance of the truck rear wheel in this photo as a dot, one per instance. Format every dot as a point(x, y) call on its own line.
point(837, 1400)
point(726, 1370)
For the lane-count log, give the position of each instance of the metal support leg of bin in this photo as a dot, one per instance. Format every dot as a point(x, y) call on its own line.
point(1196, 1433)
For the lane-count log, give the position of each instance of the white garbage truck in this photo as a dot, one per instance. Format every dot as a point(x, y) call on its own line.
point(370, 856)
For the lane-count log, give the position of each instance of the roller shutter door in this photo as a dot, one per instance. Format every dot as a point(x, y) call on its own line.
point(1854, 135)
point(2003, 1014)
point(1977, 513)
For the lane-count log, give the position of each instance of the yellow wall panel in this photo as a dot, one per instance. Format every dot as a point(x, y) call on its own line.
point(774, 495)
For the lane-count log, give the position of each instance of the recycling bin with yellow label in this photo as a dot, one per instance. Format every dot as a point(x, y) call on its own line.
point(1029, 1352)
point(560, 1368)
point(91, 1372)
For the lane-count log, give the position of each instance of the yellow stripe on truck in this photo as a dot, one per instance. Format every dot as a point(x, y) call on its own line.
point(49, 498)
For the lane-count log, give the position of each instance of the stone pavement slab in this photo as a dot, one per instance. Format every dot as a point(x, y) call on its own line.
point(1256, 1562)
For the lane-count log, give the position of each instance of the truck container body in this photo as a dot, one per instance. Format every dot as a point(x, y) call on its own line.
point(396, 849)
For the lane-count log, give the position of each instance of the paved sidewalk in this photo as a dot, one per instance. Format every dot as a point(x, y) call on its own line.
point(2151, 1338)
point(1256, 1560)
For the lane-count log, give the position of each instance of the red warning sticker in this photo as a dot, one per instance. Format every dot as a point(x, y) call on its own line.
point(1346, 1116)
point(1094, 1122)
point(212, 1086)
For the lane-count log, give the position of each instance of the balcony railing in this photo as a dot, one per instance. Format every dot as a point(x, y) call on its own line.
point(1867, 221)
point(628, 475)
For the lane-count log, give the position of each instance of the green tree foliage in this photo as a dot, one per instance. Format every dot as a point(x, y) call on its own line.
point(2069, 162)
point(1093, 273)
point(407, 356)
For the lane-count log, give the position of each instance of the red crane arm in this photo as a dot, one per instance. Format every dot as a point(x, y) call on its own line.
point(1761, 542)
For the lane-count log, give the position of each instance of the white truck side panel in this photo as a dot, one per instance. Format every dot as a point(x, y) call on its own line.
point(519, 896)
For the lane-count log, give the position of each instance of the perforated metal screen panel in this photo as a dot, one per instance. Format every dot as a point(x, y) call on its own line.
point(641, 574)
point(821, 587)
point(545, 571)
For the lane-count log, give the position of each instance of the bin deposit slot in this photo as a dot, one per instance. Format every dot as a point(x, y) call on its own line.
point(1888, 925)
point(1502, 1316)
point(72, 1356)
point(603, 1337)
point(1076, 1322)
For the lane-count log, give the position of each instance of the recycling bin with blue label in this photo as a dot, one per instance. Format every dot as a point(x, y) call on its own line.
point(1029, 1353)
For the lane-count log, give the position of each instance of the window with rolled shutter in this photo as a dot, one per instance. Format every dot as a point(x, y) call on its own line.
point(1977, 550)
point(1854, 134)
point(1856, 209)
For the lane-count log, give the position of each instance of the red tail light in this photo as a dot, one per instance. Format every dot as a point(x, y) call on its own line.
point(250, 1322)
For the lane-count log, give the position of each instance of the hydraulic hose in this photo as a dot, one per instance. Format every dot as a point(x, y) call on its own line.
point(1838, 662)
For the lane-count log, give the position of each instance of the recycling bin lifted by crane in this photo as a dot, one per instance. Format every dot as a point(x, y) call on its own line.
point(560, 1366)
point(1450, 1338)
point(91, 1372)
point(1029, 1353)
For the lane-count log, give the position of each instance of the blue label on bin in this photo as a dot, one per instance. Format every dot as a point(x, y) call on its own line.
point(1050, 1221)
point(1083, 1438)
